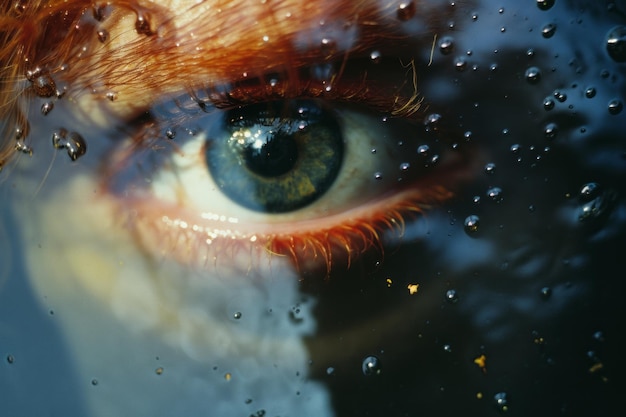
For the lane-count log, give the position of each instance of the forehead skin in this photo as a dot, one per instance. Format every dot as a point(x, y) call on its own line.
point(131, 51)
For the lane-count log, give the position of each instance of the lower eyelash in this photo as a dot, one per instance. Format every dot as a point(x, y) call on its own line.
point(212, 244)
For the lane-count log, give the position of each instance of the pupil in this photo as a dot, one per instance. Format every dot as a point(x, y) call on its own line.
point(275, 157)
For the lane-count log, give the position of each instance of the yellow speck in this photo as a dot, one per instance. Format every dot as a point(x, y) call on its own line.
point(227, 376)
point(389, 282)
point(413, 288)
point(481, 361)
point(596, 367)
point(159, 370)
point(479, 395)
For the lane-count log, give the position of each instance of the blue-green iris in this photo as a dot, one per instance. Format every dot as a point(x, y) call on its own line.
point(276, 157)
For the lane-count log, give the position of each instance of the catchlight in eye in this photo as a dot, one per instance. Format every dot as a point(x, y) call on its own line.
point(275, 157)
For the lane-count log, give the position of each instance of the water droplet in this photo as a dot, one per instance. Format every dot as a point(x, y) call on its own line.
point(474, 16)
point(545, 4)
point(615, 106)
point(142, 25)
point(560, 97)
point(378, 176)
point(447, 348)
point(446, 45)
point(501, 400)
point(111, 95)
point(546, 292)
point(42, 82)
point(452, 296)
point(533, 75)
point(548, 104)
point(548, 30)
point(495, 194)
point(460, 63)
point(493, 67)
point(490, 168)
point(432, 121)
point(476, 199)
point(371, 366)
point(170, 134)
point(590, 92)
point(10, 359)
point(501, 10)
point(594, 201)
point(530, 53)
point(375, 57)
point(103, 35)
point(237, 315)
point(47, 107)
point(330, 370)
point(551, 130)
point(328, 47)
point(404, 166)
point(406, 10)
point(515, 148)
point(159, 370)
point(599, 336)
point(72, 141)
point(423, 150)
point(94, 382)
point(472, 223)
point(616, 44)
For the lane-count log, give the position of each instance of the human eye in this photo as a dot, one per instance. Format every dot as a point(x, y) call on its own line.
point(317, 181)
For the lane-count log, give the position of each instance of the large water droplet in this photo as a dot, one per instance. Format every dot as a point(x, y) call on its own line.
point(501, 400)
point(446, 46)
point(71, 141)
point(43, 83)
point(103, 35)
point(548, 104)
point(375, 57)
point(616, 43)
point(371, 366)
point(548, 30)
point(551, 130)
point(590, 92)
point(495, 194)
point(460, 63)
point(47, 107)
point(594, 201)
point(533, 75)
point(615, 106)
point(545, 4)
point(472, 223)
point(490, 168)
point(452, 296)
point(406, 10)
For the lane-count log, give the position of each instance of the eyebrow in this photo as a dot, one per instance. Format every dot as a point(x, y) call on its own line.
point(130, 51)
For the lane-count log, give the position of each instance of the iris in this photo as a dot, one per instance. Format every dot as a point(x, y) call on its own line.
point(276, 157)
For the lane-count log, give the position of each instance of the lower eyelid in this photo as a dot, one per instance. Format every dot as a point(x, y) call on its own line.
point(220, 242)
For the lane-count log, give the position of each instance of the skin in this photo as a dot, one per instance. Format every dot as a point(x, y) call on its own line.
point(123, 321)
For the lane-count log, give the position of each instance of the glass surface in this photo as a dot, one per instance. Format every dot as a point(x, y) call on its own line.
point(502, 295)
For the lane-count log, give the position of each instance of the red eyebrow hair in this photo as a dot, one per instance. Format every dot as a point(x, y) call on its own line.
point(135, 50)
